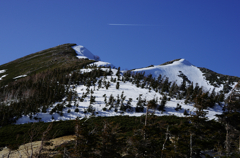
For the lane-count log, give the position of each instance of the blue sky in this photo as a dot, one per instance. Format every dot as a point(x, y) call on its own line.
point(205, 32)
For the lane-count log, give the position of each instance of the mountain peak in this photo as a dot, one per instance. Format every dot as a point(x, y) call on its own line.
point(183, 61)
point(177, 61)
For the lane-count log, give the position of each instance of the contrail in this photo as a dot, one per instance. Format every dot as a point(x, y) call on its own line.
point(133, 25)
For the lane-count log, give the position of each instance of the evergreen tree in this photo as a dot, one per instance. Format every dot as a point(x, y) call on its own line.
point(108, 144)
point(233, 100)
point(163, 103)
point(152, 104)
point(86, 140)
point(128, 105)
point(118, 73)
point(107, 85)
point(189, 90)
point(99, 83)
point(165, 85)
point(117, 102)
point(117, 85)
point(140, 104)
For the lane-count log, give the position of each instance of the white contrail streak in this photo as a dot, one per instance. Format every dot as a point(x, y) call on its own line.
point(133, 25)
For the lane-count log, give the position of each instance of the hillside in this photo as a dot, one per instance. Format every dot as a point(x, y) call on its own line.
point(84, 89)
point(59, 56)
point(67, 82)
point(181, 70)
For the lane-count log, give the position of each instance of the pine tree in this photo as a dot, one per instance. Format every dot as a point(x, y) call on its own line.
point(128, 105)
point(152, 104)
point(122, 100)
point(230, 118)
point(140, 105)
point(86, 140)
point(165, 85)
point(117, 85)
point(163, 103)
point(233, 100)
point(92, 99)
point(117, 102)
point(189, 90)
point(99, 83)
point(107, 85)
point(118, 73)
point(108, 144)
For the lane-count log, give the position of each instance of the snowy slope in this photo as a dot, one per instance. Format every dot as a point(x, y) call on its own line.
point(175, 71)
point(83, 52)
point(172, 71)
point(102, 63)
point(127, 88)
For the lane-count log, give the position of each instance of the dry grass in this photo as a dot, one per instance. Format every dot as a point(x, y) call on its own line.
point(24, 151)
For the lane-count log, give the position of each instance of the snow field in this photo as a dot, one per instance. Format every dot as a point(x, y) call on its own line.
point(128, 89)
point(173, 70)
point(101, 63)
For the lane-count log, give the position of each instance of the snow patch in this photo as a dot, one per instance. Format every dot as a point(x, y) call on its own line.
point(19, 76)
point(2, 71)
point(114, 71)
point(101, 63)
point(2, 77)
point(84, 53)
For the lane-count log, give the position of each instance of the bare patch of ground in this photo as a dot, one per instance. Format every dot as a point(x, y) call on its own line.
point(26, 150)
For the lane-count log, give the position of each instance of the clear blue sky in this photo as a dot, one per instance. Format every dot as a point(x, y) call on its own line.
point(205, 32)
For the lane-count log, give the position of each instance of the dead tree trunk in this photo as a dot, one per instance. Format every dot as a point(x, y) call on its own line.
point(146, 116)
point(167, 136)
point(77, 135)
point(145, 123)
point(44, 137)
point(191, 145)
point(227, 142)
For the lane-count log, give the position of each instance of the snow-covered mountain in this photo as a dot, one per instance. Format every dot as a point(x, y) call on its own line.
point(101, 95)
point(69, 82)
point(179, 71)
